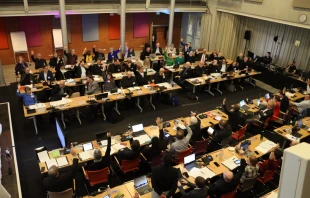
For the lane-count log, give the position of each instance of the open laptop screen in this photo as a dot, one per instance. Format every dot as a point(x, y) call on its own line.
point(190, 158)
point(140, 181)
point(137, 128)
point(267, 96)
point(242, 103)
point(88, 146)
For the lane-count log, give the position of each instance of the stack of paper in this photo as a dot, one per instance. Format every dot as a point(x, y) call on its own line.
point(118, 75)
point(291, 137)
point(86, 155)
point(143, 138)
point(62, 161)
point(104, 149)
point(37, 106)
point(43, 156)
point(203, 172)
point(118, 146)
point(265, 146)
point(105, 142)
point(230, 163)
point(97, 79)
point(273, 195)
point(51, 162)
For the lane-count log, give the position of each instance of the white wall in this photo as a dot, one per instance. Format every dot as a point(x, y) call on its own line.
point(273, 9)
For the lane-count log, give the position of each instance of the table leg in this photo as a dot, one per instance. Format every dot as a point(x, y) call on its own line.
point(209, 90)
point(151, 99)
point(102, 109)
point(194, 89)
point(138, 104)
point(35, 124)
point(116, 108)
point(218, 88)
point(250, 81)
point(171, 77)
point(78, 115)
point(63, 119)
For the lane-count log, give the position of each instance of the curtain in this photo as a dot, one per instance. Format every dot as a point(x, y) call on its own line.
point(230, 39)
point(205, 31)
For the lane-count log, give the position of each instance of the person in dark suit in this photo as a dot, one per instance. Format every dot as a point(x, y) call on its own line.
point(213, 67)
point(57, 62)
point(199, 189)
point(190, 57)
point(194, 124)
point(46, 75)
point(202, 57)
point(262, 116)
point(245, 64)
point(27, 78)
point(220, 133)
point(130, 66)
point(99, 55)
point(39, 62)
point(267, 59)
point(184, 74)
point(228, 182)
point(213, 56)
point(95, 69)
point(72, 57)
point(114, 67)
point(160, 76)
point(141, 76)
point(219, 57)
point(200, 70)
point(157, 49)
point(187, 47)
point(130, 53)
point(61, 91)
point(240, 58)
point(145, 53)
point(129, 154)
point(164, 178)
point(58, 182)
point(291, 68)
point(80, 70)
point(100, 162)
point(285, 102)
point(20, 66)
point(128, 81)
point(235, 117)
point(223, 66)
point(231, 67)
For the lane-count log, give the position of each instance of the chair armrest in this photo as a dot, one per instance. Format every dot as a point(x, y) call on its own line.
point(143, 157)
point(84, 171)
point(117, 161)
point(258, 121)
point(74, 186)
point(189, 145)
point(203, 138)
point(240, 126)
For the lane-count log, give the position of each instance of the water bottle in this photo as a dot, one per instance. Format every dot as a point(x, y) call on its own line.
point(129, 127)
point(109, 190)
point(220, 155)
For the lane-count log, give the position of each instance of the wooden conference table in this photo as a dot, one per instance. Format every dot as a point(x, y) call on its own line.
point(75, 103)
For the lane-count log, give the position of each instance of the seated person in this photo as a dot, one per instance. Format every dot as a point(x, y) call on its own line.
point(57, 62)
point(186, 73)
point(99, 55)
point(267, 59)
point(251, 169)
point(88, 55)
point(202, 57)
point(109, 82)
point(169, 61)
point(213, 56)
point(220, 133)
point(20, 66)
point(130, 53)
point(191, 57)
point(181, 142)
point(220, 57)
point(27, 78)
point(92, 86)
point(285, 102)
point(231, 67)
point(171, 49)
point(276, 110)
point(303, 105)
point(273, 162)
point(228, 182)
point(58, 182)
point(199, 189)
point(291, 68)
point(129, 154)
point(141, 76)
point(128, 81)
point(80, 70)
point(95, 69)
point(61, 91)
point(240, 58)
point(234, 115)
point(157, 49)
point(160, 76)
point(71, 57)
point(114, 67)
point(100, 162)
point(180, 60)
point(46, 75)
point(213, 67)
point(200, 70)
point(262, 116)
point(112, 55)
point(28, 97)
point(145, 53)
point(130, 66)
point(245, 63)
point(223, 66)
point(39, 62)
point(195, 126)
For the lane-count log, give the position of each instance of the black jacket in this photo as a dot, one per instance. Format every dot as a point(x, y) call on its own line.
point(190, 59)
point(243, 65)
point(141, 80)
point(149, 152)
point(199, 71)
point(39, 63)
point(230, 68)
point(132, 68)
point(220, 186)
point(55, 63)
point(128, 82)
point(194, 193)
point(144, 54)
point(186, 73)
point(266, 115)
point(220, 134)
point(114, 68)
point(235, 118)
point(63, 182)
point(49, 76)
point(164, 179)
point(19, 68)
point(127, 154)
point(212, 57)
point(95, 69)
point(284, 104)
point(154, 50)
point(56, 93)
point(159, 78)
point(70, 57)
point(105, 161)
point(26, 79)
point(97, 54)
point(78, 71)
point(197, 136)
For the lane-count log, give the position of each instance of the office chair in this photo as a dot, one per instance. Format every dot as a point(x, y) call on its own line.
point(183, 154)
point(128, 165)
point(268, 175)
point(238, 135)
point(96, 177)
point(64, 194)
point(248, 184)
point(200, 147)
point(230, 194)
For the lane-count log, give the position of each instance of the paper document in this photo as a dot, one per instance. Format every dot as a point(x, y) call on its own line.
point(182, 126)
point(230, 163)
point(118, 75)
point(105, 142)
point(43, 156)
point(143, 138)
point(265, 146)
point(51, 162)
point(104, 149)
point(273, 195)
point(203, 172)
point(210, 130)
point(86, 155)
point(291, 137)
point(118, 146)
point(62, 161)
point(37, 106)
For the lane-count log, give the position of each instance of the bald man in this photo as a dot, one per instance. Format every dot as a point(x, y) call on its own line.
point(58, 182)
point(61, 91)
point(160, 76)
point(228, 182)
point(128, 81)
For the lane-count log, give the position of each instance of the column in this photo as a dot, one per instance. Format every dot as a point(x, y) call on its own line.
point(63, 22)
point(171, 18)
point(123, 23)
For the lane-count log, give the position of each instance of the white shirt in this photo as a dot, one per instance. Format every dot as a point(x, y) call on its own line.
point(308, 89)
point(45, 76)
point(83, 75)
point(142, 74)
point(223, 69)
point(203, 58)
point(157, 51)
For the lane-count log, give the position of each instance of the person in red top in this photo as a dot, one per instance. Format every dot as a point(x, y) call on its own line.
point(276, 109)
point(273, 162)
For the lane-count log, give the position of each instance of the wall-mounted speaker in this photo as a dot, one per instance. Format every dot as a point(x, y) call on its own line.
point(247, 35)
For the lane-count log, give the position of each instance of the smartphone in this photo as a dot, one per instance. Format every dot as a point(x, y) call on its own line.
point(186, 174)
point(237, 162)
point(107, 196)
point(42, 169)
point(257, 153)
point(216, 164)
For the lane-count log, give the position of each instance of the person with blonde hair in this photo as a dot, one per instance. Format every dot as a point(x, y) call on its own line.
point(251, 169)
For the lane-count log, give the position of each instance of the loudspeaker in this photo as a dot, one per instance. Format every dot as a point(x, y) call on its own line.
point(247, 35)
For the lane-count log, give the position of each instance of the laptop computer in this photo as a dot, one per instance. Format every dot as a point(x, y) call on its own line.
point(101, 96)
point(243, 106)
point(101, 136)
point(142, 186)
point(88, 146)
point(138, 130)
point(224, 75)
point(260, 106)
point(189, 162)
point(152, 55)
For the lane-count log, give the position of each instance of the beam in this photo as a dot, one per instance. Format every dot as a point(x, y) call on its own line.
point(63, 22)
point(171, 19)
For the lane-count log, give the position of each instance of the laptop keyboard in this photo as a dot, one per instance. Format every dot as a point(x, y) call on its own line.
point(245, 107)
point(136, 134)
